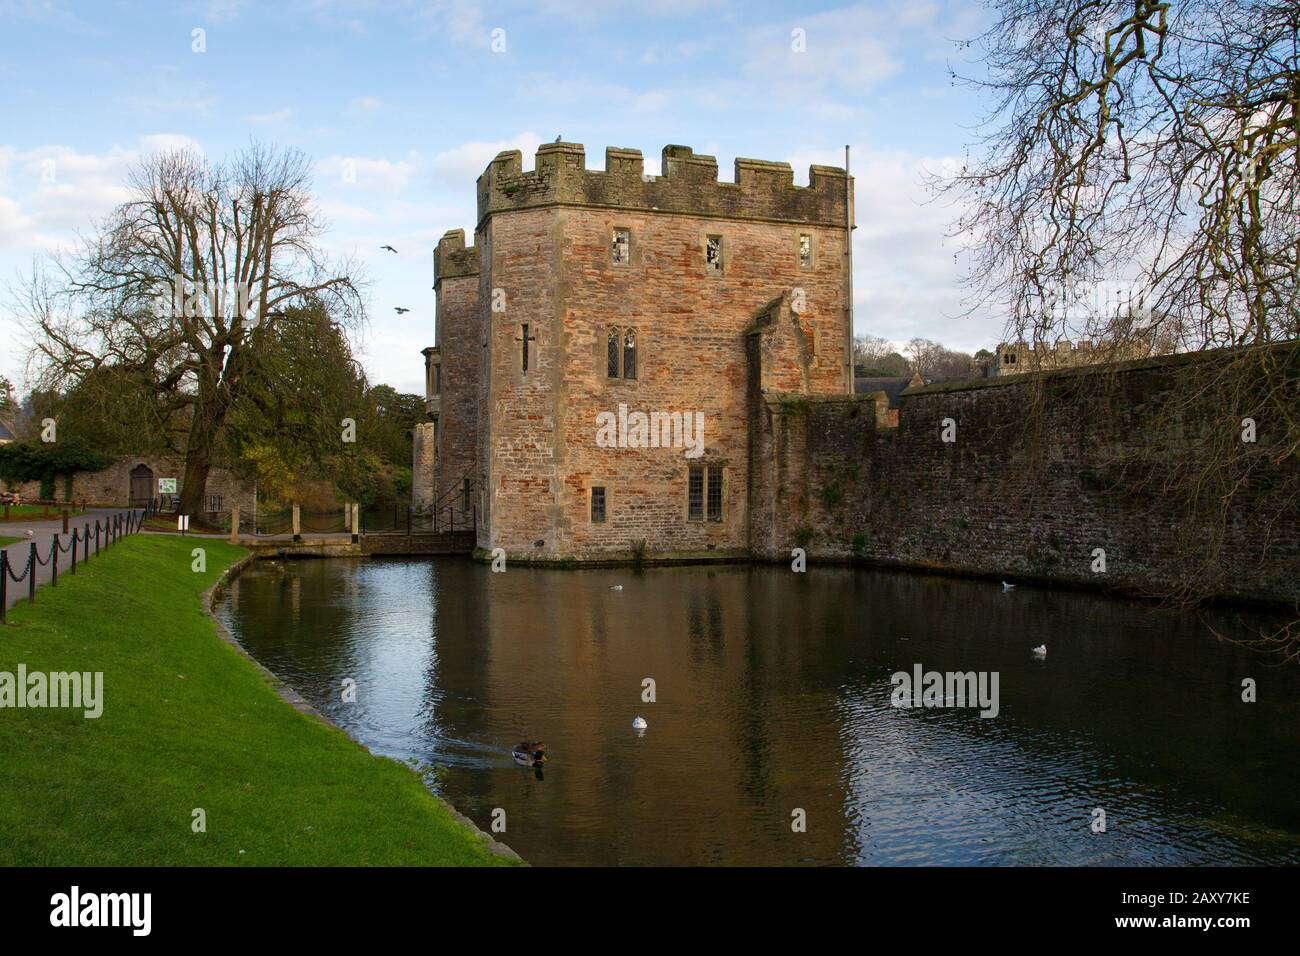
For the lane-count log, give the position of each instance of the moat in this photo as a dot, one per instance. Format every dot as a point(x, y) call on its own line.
point(773, 695)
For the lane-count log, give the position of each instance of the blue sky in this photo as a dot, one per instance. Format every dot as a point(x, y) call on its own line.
point(402, 104)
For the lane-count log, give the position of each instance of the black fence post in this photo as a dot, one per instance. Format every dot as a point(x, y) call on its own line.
point(31, 575)
point(54, 562)
point(4, 584)
point(73, 569)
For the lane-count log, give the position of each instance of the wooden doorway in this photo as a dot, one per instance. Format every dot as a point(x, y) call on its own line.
point(142, 484)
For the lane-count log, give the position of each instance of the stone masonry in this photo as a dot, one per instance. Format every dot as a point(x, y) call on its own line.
point(1014, 496)
point(589, 298)
point(111, 486)
point(702, 263)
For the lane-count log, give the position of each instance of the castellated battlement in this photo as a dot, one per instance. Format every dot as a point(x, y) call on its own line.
point(688, 186)
point(452, 258)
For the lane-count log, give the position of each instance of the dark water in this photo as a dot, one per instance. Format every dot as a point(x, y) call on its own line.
point(773, 694)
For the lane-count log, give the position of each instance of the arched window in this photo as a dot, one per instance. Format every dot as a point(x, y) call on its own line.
point(612, 352)
point(629, 353)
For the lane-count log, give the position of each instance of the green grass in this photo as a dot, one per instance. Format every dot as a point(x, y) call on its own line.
point(36, 512)
point(188, 723)
point(5, 542)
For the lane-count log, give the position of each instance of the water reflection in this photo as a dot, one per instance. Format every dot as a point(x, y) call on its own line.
point(773, 696)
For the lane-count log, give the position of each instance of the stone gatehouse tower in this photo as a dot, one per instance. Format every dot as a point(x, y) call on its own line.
point(599, 318)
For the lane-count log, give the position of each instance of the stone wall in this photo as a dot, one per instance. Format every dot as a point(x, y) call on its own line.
point(554, 269)
point(460, 348)
point(688, 185)
point(1009, 498)
point(422, 468)
point(111, 486)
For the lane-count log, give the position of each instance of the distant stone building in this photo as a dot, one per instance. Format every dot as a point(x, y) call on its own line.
point(136, 479)
point(1015, 358)
point(892, 387)
point(601, 347)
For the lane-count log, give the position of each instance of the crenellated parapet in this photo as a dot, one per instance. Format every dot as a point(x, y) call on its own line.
point(688, 185)
point(452, 258)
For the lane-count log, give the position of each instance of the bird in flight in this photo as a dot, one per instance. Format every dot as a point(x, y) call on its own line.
point(399, 310)
point(389, 248)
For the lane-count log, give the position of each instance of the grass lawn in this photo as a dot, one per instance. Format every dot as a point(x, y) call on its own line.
point(5, 542)
point(187, 723)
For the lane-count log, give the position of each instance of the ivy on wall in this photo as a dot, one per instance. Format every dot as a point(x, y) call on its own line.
point(45, 461)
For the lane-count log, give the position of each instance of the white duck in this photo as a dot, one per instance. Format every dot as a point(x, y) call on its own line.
point(639, 723)
point(1008, 587)
point(1040, 650)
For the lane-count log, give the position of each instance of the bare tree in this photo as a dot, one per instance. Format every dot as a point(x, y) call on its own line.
point(1150, 148)
point(183, 282)
point(1141, 144)
point(873, 355)
point(871, 350)
point(924, 355)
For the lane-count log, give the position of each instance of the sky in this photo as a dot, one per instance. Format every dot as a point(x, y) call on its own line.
point(402, 104)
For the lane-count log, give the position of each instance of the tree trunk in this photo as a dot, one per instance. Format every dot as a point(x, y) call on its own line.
point(194, 486)
point(209, 416)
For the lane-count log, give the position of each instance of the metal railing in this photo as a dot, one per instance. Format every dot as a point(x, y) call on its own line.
point(403, 519)
point(111, 530)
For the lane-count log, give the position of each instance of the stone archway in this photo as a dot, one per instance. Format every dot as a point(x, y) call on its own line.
point(142, 484)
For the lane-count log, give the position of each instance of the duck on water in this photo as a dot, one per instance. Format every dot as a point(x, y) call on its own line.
point(529, 753)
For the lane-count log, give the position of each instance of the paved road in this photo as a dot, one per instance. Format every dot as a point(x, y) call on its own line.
point(43, 533)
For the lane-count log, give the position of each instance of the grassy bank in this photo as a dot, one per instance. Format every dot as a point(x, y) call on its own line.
point(5, 542)
point(188, 723)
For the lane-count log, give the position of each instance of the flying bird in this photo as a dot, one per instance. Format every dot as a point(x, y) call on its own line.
point(389, 248)
point(399, 310)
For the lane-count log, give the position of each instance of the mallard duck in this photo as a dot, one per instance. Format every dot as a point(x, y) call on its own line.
point(529, 753)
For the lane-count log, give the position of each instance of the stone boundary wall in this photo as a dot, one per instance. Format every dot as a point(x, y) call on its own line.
point(1003, 500)
point(111, 486)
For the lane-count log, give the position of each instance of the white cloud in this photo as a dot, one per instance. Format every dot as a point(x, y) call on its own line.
point(274, 118)
point(907, 272)
point(359, 107)
point(461, 21)
point(460, 166)
point(851, 49)
point(365, 173)
point(223, 10)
